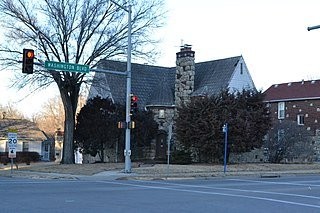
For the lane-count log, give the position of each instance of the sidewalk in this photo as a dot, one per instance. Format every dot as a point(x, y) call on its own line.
point(49, 170)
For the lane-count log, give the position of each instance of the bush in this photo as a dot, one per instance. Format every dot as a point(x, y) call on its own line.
point(22, 157)
point(181, 157)
point(4, 159)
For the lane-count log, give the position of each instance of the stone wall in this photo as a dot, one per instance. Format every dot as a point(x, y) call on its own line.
point(164, 117)
point(255, 156)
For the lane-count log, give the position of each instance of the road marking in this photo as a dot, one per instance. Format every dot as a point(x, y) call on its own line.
point(213, 193)
point(276, 183)
point(237, 190)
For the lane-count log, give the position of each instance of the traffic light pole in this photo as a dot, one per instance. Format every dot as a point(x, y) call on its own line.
point(127, 150)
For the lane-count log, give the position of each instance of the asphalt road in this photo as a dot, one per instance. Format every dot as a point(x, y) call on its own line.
point(289, 194)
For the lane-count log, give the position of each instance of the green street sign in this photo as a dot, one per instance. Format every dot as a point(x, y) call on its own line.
point(68, 67)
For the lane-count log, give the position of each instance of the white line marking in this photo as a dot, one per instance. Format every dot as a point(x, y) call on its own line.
point(276, 183)
point(236, 190)
point(214, 193)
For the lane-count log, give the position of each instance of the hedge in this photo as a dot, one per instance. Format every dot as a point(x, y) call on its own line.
point(21, 157)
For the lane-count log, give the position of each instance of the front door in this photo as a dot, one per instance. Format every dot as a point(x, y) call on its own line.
point(161, 146)
point(46, 152)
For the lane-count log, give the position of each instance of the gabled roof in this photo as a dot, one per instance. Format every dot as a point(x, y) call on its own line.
point(212, 76)
point(27, 130)
point(154, 85)
point(302, 90)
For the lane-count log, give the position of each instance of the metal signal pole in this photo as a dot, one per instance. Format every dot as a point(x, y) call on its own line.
point(127, 149)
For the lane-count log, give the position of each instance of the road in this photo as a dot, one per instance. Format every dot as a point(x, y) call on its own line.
point(285, 194)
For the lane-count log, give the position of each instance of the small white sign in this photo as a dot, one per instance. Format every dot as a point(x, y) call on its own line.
point(12, 144)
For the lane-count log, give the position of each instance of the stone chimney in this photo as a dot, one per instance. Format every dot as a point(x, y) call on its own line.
point(185, 70)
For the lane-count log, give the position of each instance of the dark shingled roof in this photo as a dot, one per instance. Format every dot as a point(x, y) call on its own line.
point(293, 91)
point(27, 130)
point(212, 76)
point(154, 85)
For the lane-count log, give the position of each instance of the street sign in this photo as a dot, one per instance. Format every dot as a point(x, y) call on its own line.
point(12, 144)
point(68, 67)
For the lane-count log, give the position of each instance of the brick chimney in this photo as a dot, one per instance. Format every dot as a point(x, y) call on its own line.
point(185, 70)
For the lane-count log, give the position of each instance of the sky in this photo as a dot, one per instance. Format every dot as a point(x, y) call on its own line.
point(271, 35)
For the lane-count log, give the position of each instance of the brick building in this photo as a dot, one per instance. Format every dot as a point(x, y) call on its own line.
point(298, 102)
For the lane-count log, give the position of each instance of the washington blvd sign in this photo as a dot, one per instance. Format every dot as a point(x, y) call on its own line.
point(68, 67)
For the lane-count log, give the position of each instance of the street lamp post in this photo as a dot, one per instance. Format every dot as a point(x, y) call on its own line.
point(127, 150)
point(313, 27)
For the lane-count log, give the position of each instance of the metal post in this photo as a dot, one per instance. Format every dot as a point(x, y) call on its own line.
point(11, 166)
point(313, 27)
point(225, 130)
point(168, 159)
point(169, 149)
point(127, 150)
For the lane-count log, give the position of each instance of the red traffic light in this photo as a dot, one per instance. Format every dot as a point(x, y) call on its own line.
point(27, 61)
point(133, 103)
point(29, 54)
point(134, 98)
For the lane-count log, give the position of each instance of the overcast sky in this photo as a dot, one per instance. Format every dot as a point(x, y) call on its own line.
point(271, 35)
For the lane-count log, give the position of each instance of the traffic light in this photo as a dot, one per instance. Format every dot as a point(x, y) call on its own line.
point(27, 61)
point(121, 125)
point(134, 103)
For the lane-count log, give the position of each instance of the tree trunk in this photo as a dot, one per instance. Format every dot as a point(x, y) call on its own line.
point(70, 100)
point(69, 124)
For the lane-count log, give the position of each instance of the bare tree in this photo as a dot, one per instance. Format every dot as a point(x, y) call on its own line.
point(290, 142)
point(75, 31)
point(9, 111)
point(51, 117)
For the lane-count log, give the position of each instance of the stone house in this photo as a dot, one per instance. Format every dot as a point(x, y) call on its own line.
point(162, 89)
point(298, 102)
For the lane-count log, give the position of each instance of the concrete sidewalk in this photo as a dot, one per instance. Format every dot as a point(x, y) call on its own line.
point(155, 172)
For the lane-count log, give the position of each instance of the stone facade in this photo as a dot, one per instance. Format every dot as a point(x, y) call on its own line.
point(185, 71)
point(164, 116)
point(255, 156)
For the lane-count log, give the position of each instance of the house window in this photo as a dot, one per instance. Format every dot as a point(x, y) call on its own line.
point(281, 110)
point(161, 113)
point(300, 119)
point(25, 146)
point(241, 68)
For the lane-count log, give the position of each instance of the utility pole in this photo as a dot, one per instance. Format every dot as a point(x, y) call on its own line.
point(127, 149)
